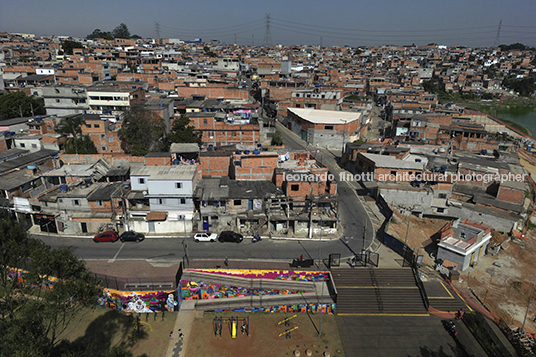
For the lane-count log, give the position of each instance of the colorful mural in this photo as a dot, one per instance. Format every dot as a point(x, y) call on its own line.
point(18, 274)
point(137, 301)
point(197, 290)
point(295, 275)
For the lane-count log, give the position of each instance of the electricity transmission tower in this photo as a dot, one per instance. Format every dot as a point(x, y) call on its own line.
point(496, 43)
point(268, 35)
point(157, 29)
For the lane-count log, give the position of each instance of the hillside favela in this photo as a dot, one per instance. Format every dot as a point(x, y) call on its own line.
point(195, 197)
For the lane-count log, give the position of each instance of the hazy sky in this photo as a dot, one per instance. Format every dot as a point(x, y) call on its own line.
point(472, 23)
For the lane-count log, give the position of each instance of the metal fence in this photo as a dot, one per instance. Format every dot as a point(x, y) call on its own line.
point(137, 284)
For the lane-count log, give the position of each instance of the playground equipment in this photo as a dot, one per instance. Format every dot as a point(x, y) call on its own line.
point(233, 325)
point(287, 332)
point(287, 320)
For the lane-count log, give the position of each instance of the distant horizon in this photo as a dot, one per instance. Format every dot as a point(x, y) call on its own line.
point(472, 24)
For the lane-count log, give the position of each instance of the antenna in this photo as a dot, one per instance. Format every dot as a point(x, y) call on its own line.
point(268, 35)
point(157, 29)
point(496, 43)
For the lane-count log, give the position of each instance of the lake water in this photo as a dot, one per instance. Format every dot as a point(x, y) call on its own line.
point(524, 115)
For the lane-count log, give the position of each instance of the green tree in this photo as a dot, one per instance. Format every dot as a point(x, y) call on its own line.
point(121, 31)
point(277, 139)
point(97, 33)
point(68, 46)
point(76, 143)
point(183, 132)
point(523, 86)
point(15, 104)
point(431, 86)
point(142, 131)
point(32, 316)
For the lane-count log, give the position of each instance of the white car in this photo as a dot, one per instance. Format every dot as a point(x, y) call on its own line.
point(205, 237)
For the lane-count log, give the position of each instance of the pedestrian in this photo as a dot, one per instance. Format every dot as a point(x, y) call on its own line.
point(459, 314)
point(226, 261)
point(171, 335)
point(301, 257)
point(181, 336)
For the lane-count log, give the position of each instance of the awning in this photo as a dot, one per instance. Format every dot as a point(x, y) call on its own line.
point(156, 216)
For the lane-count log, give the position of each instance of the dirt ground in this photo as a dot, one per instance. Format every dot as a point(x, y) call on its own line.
point(503, 282)
point(420, 233)
point(264, 339)
point(107, 328)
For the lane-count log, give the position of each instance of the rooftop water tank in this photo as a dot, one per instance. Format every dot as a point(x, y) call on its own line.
point(64, 188)
point(256, 152)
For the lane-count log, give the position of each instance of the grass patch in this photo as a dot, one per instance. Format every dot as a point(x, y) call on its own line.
point(264, 339)
point(104, 328)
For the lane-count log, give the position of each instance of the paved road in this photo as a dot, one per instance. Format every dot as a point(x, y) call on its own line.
point(171, 250)
point(351, 211)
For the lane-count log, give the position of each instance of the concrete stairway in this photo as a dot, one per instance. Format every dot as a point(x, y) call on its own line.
point(377, 292)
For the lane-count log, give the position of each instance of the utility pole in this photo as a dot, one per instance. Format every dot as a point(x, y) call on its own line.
point(527, 312)
point(323, 282)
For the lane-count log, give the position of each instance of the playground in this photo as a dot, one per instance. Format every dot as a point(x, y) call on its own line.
point(263, 334)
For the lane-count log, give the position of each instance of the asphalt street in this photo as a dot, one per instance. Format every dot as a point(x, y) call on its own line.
point(172, 250)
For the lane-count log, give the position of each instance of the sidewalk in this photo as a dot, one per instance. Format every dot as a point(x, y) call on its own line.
point(184, 322)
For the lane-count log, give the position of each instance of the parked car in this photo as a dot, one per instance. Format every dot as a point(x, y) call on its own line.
point(131, 236)
point(228, 236)
point(108, 236)
point(205, 237)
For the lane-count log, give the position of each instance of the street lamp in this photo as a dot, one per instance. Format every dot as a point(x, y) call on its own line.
point(343, 136)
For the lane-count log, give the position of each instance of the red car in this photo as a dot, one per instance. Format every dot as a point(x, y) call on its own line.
point(109, 236)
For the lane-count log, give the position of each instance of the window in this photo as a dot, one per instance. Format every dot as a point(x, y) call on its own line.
point(442, 195)
point(233, 134)
point(96, 125)
point(34, 145)
point(49, 127)
point(237, 202)
point(440, 210)
point(22, 145)
point(205, 121)
point(99, 203)
point(328, 127)
point(76, 202)
point(161, 201)
point(88, 125)
point(110, 140)
point(102, 136)
point(31, 127)
point(178, 184)
point(295, 187)
point(141, 180)
point(183, 201)
point(103, 148)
